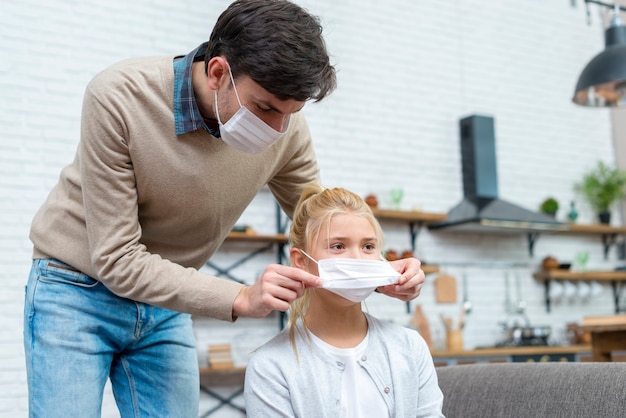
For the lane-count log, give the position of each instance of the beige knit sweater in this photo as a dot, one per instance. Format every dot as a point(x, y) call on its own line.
point(141, 209)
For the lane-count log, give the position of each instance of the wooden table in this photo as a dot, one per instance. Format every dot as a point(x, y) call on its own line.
point(605, 339)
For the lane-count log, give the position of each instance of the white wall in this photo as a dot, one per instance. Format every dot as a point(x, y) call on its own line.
point(407, 72)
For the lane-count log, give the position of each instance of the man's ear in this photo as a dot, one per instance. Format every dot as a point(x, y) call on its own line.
point(216, 71)
point(297, 258)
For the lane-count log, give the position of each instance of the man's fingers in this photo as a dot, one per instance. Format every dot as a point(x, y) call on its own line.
point(278, 287)
point(295, 277)
point(284, 290)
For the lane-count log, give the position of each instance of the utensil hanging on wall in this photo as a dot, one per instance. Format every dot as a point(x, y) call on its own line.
point(467, 305)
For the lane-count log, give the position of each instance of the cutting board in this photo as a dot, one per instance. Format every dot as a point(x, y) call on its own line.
point(421, 323)
point(445, 289)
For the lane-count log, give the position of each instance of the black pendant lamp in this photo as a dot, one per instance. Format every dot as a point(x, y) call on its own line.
point(603, 81)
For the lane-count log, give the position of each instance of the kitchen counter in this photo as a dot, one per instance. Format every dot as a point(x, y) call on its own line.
point(511, 351)
point(512, 355)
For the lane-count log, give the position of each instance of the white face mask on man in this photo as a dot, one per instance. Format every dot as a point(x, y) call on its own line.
point(353, 278)
point(245, 131)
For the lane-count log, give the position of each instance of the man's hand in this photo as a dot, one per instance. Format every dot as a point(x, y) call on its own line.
point(410, 283)
point(277, 287)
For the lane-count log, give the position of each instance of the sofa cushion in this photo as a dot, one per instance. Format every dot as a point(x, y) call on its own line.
point(534, 390)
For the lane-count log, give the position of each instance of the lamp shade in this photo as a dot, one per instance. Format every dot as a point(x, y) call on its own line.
point(602, 82)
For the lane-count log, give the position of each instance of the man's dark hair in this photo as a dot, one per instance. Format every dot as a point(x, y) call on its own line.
point(278, 44)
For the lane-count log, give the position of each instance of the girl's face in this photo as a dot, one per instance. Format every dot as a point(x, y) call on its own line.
point(348, 236)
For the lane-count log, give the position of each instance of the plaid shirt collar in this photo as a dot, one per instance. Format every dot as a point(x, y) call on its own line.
point(187, 116)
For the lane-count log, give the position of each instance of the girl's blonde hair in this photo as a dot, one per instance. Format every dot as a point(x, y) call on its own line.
point(315, 209)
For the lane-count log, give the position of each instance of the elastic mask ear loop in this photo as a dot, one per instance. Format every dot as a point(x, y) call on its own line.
point(232, 79)
point(311, 258)
point(217, 112)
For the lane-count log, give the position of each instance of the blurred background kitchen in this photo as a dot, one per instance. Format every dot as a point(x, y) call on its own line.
point(416, 80)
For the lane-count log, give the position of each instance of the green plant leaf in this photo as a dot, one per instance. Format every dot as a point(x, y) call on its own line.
point(602, 186)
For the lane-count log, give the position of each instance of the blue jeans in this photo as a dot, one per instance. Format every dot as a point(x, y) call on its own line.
point(77, 334)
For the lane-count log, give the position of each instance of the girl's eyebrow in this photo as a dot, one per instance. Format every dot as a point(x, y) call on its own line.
point(342, 238)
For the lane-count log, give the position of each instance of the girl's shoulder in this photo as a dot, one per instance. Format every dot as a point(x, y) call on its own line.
point(279, 350)
point(277, 344)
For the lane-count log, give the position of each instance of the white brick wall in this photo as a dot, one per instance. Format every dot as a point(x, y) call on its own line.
point(407, 72)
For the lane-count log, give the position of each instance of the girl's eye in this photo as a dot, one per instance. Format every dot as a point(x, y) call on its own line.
point(263, 110)
point(336, 246)
point(369, 247)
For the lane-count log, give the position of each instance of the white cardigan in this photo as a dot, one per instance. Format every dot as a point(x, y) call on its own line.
point(397, 359)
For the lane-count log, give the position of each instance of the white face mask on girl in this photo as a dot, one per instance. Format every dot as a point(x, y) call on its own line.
point(245, 131)
point(353, 278)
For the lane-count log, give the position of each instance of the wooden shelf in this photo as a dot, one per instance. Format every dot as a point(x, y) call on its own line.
point(409, 216)
point(599, 276)
point(415, 219)
point(608, 233)
point(244, 236)
point(430, 268)
point(596, 229)
point(616, 278)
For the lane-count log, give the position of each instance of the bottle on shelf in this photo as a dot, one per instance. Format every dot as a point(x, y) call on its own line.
point(573, 213)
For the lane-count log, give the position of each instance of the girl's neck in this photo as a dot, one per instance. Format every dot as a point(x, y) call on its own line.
point(341, 327)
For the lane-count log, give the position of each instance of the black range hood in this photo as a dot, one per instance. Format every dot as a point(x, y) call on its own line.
point(482, 209)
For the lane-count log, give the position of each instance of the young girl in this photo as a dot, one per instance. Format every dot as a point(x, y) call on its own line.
point(334, 360)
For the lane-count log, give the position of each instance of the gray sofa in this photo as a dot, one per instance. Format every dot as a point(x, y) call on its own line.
point(534, 390)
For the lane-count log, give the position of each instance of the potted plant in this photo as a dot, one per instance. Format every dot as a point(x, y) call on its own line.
point(550, 206)
point(602, 186)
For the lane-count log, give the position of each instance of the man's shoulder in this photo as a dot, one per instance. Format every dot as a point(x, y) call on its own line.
point(134, 70)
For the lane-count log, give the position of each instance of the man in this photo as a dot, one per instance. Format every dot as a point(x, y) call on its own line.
point(172, 151)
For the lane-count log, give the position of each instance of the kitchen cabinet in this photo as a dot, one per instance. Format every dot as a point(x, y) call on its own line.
point(617, 278)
